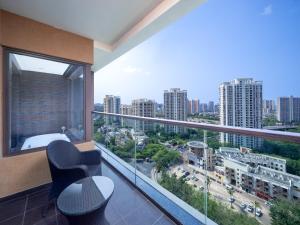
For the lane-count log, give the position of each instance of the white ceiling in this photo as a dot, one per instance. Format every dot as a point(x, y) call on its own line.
point(101, 20)
point(115, 25)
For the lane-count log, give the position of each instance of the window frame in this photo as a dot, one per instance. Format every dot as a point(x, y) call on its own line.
point(7, 113)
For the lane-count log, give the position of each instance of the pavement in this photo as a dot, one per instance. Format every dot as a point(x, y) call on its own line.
point(220, 193)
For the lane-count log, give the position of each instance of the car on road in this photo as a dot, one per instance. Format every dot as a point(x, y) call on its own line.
point(231, 199)
point(196, 179)
point(258, 212)
point(250, 208)
point(243, 205)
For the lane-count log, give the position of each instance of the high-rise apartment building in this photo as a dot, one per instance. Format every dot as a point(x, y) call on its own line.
point(175, 104)
point(211, 106)
point(217, 109)
point(203, 107)
point(193, 106)
point(241, 106)
point(159, 110)
point(175, 107)
point(126, 109)
point(288, 109)
point(112, 104)
point(268, 107)
point(143, 107)
point(189, 107)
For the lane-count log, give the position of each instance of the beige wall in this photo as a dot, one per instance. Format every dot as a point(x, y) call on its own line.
point(22, 172)
point(1, 101)
point(26, 34)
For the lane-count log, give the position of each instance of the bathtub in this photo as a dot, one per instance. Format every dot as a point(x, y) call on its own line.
point(43, 140)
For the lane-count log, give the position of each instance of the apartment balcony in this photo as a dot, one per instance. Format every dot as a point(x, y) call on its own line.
point(128, 205)
point(48, 58)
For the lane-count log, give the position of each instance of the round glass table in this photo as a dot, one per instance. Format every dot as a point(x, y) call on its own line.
point(84, 201)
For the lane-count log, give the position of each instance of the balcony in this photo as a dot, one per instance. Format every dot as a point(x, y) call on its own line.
point(158, 179)
point(127, 206)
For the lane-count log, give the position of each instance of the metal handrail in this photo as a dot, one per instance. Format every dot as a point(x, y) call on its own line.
point(262, 133)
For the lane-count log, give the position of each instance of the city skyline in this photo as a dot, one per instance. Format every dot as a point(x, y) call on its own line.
point(257, 39)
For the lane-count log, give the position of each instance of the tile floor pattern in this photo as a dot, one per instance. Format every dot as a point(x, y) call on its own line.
point(126, 207)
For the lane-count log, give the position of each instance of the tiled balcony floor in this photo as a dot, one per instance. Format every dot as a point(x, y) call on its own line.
point(126, 207)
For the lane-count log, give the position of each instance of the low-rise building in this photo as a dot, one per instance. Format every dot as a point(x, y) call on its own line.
point(200, 155)
point(244, 155)
point(260, 178)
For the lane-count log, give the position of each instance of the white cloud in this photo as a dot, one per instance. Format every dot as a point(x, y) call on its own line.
point(267, 10)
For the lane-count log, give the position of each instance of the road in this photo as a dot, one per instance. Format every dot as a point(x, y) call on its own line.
point(220, 193)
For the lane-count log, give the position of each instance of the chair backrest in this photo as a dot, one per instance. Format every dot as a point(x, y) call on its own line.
point(62, 154)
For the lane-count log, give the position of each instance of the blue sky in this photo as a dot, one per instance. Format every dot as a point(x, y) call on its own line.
point(219, 41)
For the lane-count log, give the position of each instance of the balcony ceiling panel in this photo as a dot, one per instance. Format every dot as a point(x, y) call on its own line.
point(116, 26)
point(101, 20)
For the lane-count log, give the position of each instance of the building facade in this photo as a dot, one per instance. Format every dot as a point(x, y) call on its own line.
point(200, 155)
point(211, 107)
point(112, 104)
point(262, 175)
point(264, 182)
point(126, 109)
point(144, 108)
point(269, 107)
point(241, 106)
point(288, 109)
point(175, 106)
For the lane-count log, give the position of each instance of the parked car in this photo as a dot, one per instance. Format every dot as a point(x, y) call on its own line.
point(243, 205)
point(228, 187)
point(258, 212)
point(187, 173)
point(250, 208)
point(196, 179)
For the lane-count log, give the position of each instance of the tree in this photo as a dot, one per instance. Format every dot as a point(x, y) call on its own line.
point(215, 210)
point(98, 137)
point(256, 205)
point(230, 192)
point(285, 212)
point(164, 158)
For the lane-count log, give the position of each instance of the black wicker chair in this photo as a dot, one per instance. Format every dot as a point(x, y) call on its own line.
point(67, 165)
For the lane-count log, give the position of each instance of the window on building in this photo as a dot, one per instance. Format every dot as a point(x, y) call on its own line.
point(45, 101)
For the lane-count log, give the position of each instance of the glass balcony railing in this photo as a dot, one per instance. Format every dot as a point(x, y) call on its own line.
point(204, 173)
